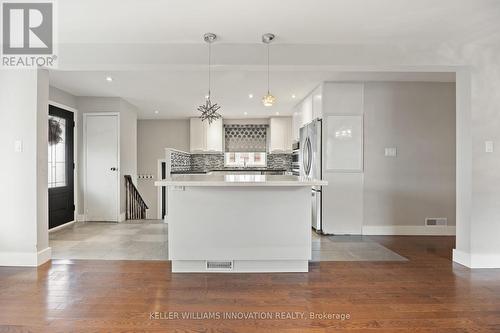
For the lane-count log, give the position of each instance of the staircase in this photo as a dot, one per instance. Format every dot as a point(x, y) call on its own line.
point(135, 206)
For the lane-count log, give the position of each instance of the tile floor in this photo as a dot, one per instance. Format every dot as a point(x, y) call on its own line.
point(131, 240)
point(147, 240)
point(350, 248)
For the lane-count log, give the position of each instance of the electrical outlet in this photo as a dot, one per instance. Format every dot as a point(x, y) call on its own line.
point(18, 146)
point(390, 152)
point(488, 146)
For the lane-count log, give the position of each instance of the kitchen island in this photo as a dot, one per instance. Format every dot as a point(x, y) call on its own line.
point(239, 223)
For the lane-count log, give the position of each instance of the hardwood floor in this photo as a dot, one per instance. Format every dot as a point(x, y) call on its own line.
point(428, 293)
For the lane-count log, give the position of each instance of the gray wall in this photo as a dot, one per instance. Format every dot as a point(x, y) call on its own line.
point(153, 136)
point(419, 120)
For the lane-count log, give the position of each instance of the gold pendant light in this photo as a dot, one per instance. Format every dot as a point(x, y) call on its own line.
point(268, 99)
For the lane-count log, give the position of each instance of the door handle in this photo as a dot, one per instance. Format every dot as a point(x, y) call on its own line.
point(114, 169)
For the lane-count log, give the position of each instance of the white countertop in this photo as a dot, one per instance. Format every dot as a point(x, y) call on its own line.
point(238, 180)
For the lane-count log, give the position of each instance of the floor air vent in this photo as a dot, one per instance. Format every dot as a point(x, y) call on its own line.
point(219, 265)
point(436, 221)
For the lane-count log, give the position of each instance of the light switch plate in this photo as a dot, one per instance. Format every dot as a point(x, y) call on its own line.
point(18, 146)
point(488, 146)
point(390, 152)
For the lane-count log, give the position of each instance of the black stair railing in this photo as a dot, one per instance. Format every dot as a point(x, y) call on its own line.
point(134, 203)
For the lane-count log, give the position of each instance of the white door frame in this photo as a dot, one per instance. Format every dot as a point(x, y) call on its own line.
point(85, 117)
point(76, 184)
point(158, 191)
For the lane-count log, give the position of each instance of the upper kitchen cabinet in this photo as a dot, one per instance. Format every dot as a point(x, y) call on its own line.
point(327, 99)
point(306, 110)
point(296, 123)
point(317, 102)
point(311, 107)
point(343, 98)
point(280, 140)
point(205, 137)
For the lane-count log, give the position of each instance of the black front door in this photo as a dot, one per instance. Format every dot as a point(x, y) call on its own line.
point(61, 166)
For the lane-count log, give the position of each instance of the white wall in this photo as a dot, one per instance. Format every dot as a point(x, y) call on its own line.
point(153, 136)
point(42, 130)
point(24, 194)
point(418, 118)
point(485, 125)
point(128, 147)
point(62, 97)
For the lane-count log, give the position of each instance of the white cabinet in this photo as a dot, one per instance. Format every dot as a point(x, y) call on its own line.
point(296, 123)
point(197, 135)
point(311, 107)
point(205, 137)
point(281, 135)
point(317, 103)
point(307, 110)
point(214, 134)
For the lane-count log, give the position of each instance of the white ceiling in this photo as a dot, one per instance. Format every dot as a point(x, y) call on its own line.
point(294, 21)
point(154, 52)
point(176, 94)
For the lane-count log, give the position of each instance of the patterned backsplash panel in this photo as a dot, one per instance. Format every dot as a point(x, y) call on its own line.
point(203, 162)
point(207, 161)
point(245, 138)
point(279, 161)
point(180, 161)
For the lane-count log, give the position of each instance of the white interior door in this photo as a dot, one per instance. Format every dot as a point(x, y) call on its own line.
point(101, 167)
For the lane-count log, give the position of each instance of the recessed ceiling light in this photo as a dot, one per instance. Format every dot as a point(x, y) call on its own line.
point(250, 95)
point(293, 96)
point(156, 112)
point(245, 113)
point(109, 79)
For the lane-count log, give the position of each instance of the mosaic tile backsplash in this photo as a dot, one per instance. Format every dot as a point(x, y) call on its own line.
point(203, 162)
point(245, 138)
point(279, 161)
point(180, 161)
point(207, 161)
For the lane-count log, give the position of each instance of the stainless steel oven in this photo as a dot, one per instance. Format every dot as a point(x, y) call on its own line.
point(295, 159)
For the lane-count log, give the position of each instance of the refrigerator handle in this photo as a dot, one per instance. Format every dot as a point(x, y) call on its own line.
point(307, 156)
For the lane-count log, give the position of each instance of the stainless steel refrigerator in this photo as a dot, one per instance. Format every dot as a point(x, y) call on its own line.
point(311, 166)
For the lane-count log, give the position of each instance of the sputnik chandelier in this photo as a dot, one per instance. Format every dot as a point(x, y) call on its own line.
point(209, 110)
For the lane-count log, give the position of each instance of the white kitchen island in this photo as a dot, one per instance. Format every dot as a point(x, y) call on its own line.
point(239, 223)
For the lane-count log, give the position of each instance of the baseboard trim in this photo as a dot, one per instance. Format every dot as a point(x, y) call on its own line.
point(476, 261)
point(80, 218)
point(25, 259)
point(409, 230)
point(44, 256)
point(62, 226)
point(461, 258)
point(485, 260)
